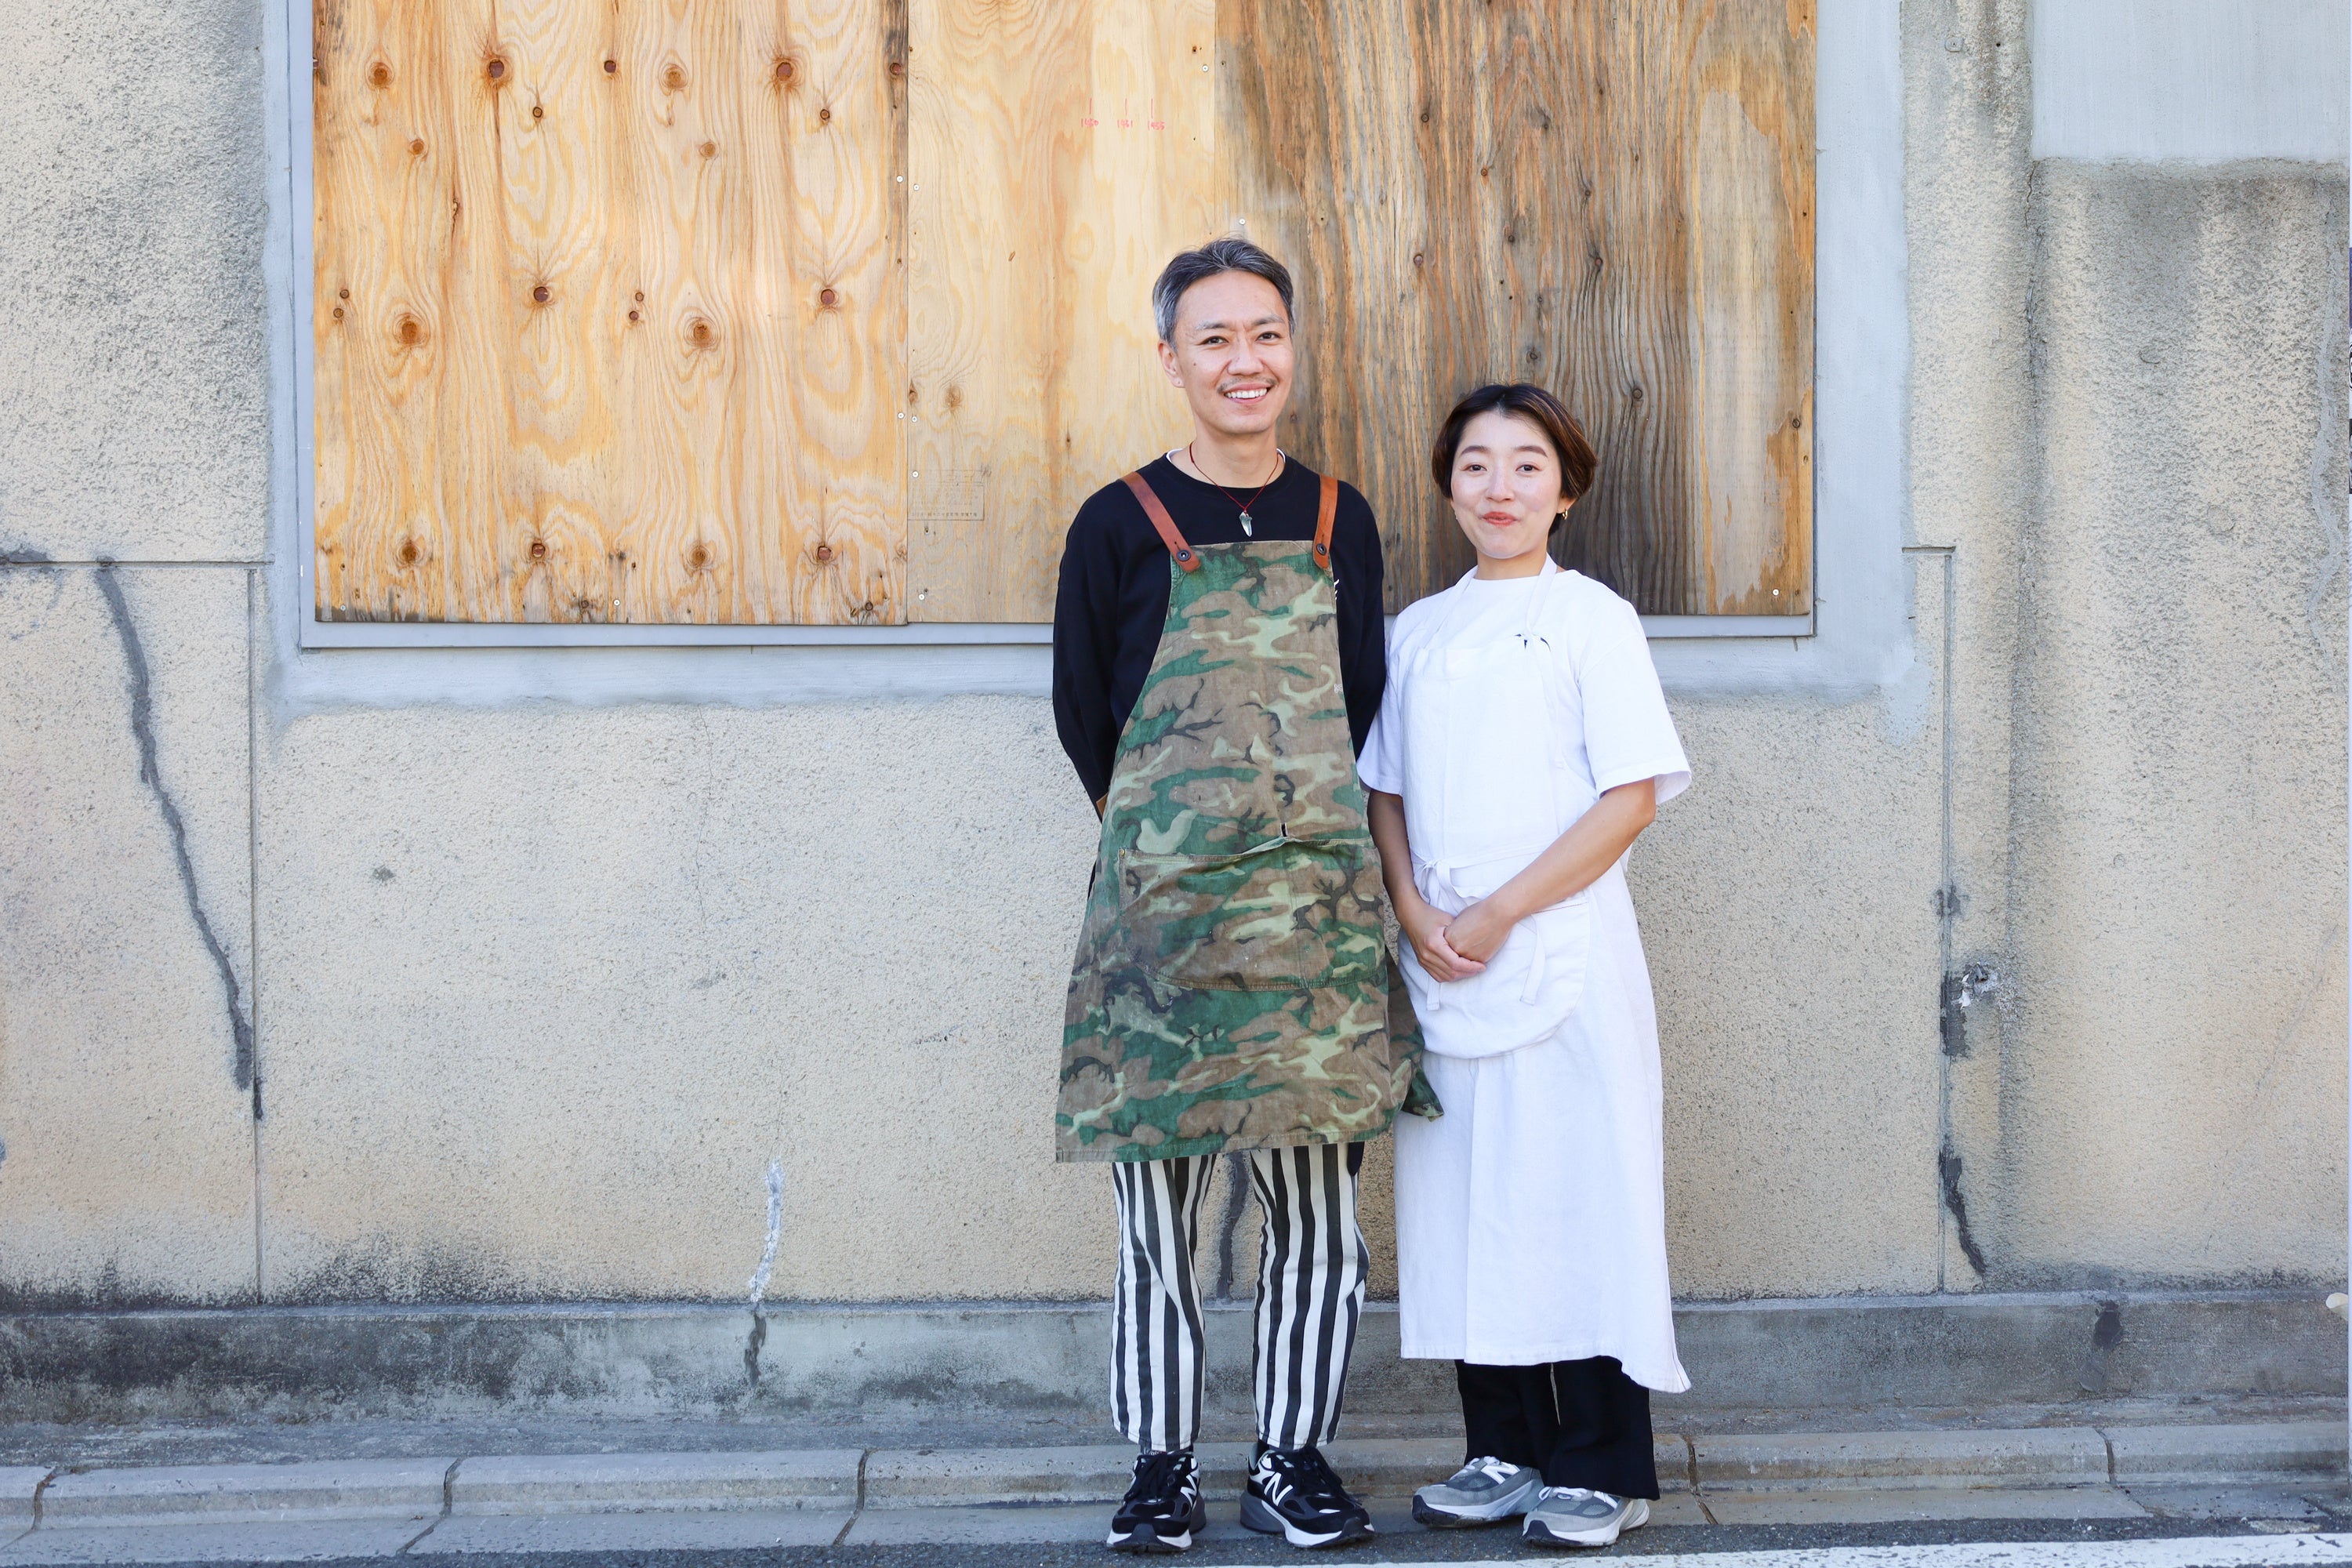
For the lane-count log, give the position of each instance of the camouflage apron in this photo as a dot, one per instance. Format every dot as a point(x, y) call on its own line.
point(1231, 988)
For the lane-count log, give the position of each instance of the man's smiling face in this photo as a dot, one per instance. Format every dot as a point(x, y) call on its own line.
point(1232, 356)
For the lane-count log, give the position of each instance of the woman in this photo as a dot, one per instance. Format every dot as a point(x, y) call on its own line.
point(1522, 745)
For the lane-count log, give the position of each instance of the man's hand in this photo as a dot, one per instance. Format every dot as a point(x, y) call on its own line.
point(1426, 930)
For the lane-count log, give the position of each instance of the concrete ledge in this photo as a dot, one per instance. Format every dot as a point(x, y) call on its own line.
point(1868, 1352)
point(765, 1486)
point(2043, 1457)
point(18, 1485)
point(2224, 1455)
point(816, 1479)
point(189, 1494)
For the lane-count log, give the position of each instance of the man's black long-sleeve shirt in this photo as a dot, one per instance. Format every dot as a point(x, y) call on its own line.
point(1113, 598)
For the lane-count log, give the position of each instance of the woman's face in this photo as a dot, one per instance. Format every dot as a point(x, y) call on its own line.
point(1507, 485)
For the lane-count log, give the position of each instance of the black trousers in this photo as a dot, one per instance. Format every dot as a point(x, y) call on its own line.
point(1581, 1423)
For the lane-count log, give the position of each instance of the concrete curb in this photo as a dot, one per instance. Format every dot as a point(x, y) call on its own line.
point(842, 1481)
point(193, 1494)
point(2224, 1455)
point(18, 1486)
point(645, 1483)
point(2037, 1457)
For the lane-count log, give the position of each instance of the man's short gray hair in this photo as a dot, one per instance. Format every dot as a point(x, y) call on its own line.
point(1188, 268)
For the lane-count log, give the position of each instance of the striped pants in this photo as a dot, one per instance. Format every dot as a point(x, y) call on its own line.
point(1312, 1266)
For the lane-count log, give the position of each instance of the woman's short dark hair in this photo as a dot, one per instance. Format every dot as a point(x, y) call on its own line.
point(1578, 461)
point(1198, 266)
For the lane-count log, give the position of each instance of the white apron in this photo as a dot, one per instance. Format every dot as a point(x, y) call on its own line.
point(1530, 1217)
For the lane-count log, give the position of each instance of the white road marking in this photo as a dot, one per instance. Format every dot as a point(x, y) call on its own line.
point(2178, 1552)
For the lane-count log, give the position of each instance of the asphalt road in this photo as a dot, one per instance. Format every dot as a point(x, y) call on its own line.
point(2101, 1543)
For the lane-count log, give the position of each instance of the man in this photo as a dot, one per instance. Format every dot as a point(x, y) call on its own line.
point(1218, 660)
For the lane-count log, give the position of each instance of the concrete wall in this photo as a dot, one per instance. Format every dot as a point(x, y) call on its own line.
point(535, 992)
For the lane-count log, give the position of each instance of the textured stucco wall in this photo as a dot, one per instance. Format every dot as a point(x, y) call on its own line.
point(2173, 1097)
point(537, 992)
point(2128, 419)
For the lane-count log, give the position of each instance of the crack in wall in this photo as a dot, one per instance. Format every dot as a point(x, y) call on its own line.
point(1956, 1202)
point(150, 773)
point(2324, 499)
point(758, 1339)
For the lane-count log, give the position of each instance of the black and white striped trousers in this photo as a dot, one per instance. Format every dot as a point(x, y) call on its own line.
point(1312, 1266)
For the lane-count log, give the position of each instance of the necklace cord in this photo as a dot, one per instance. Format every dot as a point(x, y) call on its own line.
point(1281, 461)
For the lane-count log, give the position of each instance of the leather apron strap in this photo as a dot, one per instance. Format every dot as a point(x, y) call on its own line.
point(1186, 556)
point(1327, 510)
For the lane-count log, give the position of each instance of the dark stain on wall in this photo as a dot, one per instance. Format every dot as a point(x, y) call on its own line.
point(2106, 1333)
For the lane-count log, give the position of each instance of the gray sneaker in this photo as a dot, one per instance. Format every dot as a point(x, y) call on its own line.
point(1484, 1491)
point(1570, 1516)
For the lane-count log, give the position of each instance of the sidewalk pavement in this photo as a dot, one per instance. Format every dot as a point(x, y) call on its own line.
point(822, 1496)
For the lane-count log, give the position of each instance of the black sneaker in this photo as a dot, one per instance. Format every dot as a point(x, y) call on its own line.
point(1163, 1505)
point(1294, 1493)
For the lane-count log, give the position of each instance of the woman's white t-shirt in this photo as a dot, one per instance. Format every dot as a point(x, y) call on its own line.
point(1608, 703)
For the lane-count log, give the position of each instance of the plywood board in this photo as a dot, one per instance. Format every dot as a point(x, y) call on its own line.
point(1060, 152)
point(726, 311)
point(1612, 200)
point(608, 311)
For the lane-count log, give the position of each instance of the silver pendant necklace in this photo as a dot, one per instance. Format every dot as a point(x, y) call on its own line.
point(1248, 530)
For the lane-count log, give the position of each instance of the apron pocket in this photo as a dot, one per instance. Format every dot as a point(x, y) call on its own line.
point(1527, 990)
point(1295, 914)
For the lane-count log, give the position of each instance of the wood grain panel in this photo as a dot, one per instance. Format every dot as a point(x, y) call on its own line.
point(1060, 151)
point(609, 309)
point(743, 310)
point(1614, 200)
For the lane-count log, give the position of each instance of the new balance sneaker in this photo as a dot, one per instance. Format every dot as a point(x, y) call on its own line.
point(1484, 1491)
point(1294, 1493)
point(1571, 1516)
point(1163, 1506)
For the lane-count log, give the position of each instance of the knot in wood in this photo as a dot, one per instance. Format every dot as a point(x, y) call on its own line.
point(898, 68)
point(538, 112)
point(699, 556)
point(496, 69)
point(379, 74)
point(829, 299)
point(417, 145)
point(610, 66)
point(785, 70)
point(409, 331)
point(824, 115)
point(539, 550)
point(825, 553)
point(709, 149)
point(409, 553)
point(673, 79)
point(700, 332)
point(541, 294)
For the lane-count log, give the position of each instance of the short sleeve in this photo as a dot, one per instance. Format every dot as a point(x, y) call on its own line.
point(1629, 736)
point(1380, 765)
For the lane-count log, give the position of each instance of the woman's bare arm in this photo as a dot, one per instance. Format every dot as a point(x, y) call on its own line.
point(1577, 858)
